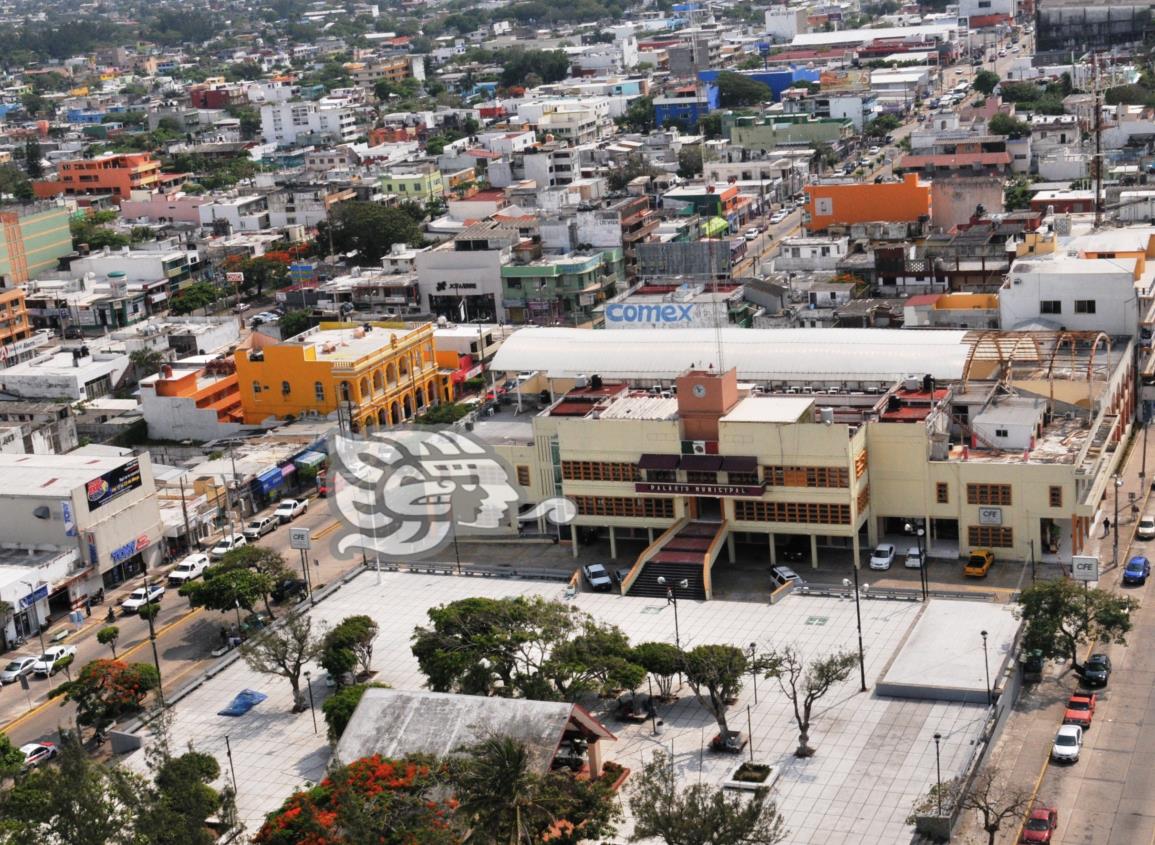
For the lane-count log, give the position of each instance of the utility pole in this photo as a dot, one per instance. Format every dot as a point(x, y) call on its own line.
point(1098, 144)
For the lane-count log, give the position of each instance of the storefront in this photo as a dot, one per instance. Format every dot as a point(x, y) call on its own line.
point(127, 559)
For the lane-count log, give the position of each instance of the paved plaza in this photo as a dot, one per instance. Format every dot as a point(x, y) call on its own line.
point(875, 755)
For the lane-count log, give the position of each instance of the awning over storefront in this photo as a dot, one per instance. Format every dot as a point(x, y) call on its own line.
point(270, 479)
point(701, 463)
point(716, 226)
point(306, 460)
point(287, 470)
point(658, 462)
point(739, 463)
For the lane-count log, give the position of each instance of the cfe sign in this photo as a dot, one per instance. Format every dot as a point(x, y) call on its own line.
point(300, 538)
point(1085, 568)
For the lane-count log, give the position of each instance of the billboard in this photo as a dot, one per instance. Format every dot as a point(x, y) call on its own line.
point(114, 483)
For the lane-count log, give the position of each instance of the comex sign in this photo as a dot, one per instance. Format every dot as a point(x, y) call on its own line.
point(662, 313)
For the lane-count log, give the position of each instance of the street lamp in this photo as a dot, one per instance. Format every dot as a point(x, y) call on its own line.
point(149, 613)
point(312, 708)
point(938, 771)
point(1143, 468)
point(1115, 526)
point(916, 528)
point(987, 664)
point(754, 668)
point(672, 598)
point(858, 613)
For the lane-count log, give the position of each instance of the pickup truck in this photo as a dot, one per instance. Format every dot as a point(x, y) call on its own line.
point(189, 568)
point(979, 563)
point(52, 659)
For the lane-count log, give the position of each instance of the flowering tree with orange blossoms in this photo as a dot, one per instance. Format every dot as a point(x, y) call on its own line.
point(105, 690)
point(372, 800)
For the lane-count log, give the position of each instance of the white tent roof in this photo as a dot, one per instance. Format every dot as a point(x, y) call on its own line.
point(759, 354)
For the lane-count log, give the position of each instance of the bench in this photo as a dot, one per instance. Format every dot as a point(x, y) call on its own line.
point(59, 636)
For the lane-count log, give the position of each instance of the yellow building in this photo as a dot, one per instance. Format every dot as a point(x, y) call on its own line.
point(380, 375)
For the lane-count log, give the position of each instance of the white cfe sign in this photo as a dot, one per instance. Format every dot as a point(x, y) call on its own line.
point(1085, 568)
point(300, 538)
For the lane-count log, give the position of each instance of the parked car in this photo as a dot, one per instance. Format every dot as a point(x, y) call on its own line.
point(874, 151)
point(141, 596)
point(1097, 670)
point(794, 551)
point(1080, 710)
point(49, 662)
point(290, 509)
point(784, 574)
point(259, 527)
point(19, 665)
point(597, 576)
point(227, 544)
point(1040, 825)
point(751, 233)
point(1068, 744)
point(192, 566)
point(913, 558)
point(36, 753)
point(620, 575)
point(882, 556)
point(1137, 570)
point(979, 563)
point(289, 588)
point(777, 217)
point(1146, 528)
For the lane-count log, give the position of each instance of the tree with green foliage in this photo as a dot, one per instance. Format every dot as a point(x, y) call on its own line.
point(715, 674)
point(528, 647)
point(296, 321)
point(500, 794)
point(33, 159)
point(663, 661)
point(195, 296)
point(1061, 617)
point(338, 707)
point(634, 166)
point(1002, 124)
point(108, 635)
point(174, 809)
point(224, 591)
point(348, 645)
point(368, 229)
point(284, 649)
point(263, 272)
point(1017, 194)
point(267, 562)
point(639, 116)
point(710, 125)
point(11, 759)
point(985, 82)
point(699, 814)
point(804, 684)
point(548, 65)
point(146, 362)
point(882, 126)
point(736, 89)
point(15, 185)
point(824, 157)
point(105, 690)
point(690, 161)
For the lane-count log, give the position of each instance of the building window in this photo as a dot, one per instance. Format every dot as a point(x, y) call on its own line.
point(625, 506)
point(784, 476)
point(990, 537)
point(812, 513)
point(1000, 432)
point(700, 477)
point(598, 471)
point(1084, 306)
point(661, 475)
point(942, 493)
point(1055, 496)
point(523, 475)
point(319, 391)
point(286, 388)
point(256, 387)
point(1050, 306)
point(988, 494)
point(742, 478)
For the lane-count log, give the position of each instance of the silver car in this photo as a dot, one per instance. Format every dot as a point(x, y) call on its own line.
point(19, 665)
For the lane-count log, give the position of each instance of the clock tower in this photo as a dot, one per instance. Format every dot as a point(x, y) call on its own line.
point(703, 398)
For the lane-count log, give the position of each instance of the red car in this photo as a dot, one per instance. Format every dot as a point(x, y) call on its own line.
point(1041, 824)
point(1080, 710)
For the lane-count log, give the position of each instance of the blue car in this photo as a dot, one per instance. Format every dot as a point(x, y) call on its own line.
point(1138, 568)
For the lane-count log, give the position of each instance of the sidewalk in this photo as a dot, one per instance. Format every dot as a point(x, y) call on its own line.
point(1023, 749)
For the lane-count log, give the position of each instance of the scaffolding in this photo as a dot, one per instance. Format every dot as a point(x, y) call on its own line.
point(14, 238)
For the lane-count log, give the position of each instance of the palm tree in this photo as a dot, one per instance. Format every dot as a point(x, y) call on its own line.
point(498, 792)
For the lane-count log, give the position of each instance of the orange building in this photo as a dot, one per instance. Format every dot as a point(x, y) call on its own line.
point(14, 324)
point(844, 203)
point(201, 403)
point(116, 174)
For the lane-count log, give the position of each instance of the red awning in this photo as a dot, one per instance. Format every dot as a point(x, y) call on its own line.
point(658, 462)
point(701, 463)
point(739, 463)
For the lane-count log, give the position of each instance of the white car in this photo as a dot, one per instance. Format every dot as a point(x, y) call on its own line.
point(290, 509)
point(874, 151)
point(49, 662)
point(227, 544)
point(19, 665)
point(141, 596)
point(193, 566)
point(777, 217)
point(751, 233)
point(882, 556)
point(259, 527)
point(1146, 528)
point(36, 753)
point(1068, 744)
point(597, 576)
point(913, 558)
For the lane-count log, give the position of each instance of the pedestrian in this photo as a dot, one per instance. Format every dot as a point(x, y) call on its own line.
point(669, 595)
point(1106, 525)
point(88, 606)
point(224, 636)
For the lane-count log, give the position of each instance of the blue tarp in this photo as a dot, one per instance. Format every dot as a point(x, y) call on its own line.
point(245, 701)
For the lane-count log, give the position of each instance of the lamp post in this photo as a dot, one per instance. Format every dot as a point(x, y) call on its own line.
point(987, 665)
point(916, 528)
point(672, 595)
point(312, 708)
point(1115, 525)
point(858, 614)
point(150, 612)
point(754, 668)
point(1143, 467)
point(938, 771)
point(36, 613)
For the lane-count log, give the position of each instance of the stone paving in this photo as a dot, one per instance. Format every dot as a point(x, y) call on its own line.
point(875, 755)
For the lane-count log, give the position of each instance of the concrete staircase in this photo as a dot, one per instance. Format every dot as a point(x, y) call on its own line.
point(686, 553)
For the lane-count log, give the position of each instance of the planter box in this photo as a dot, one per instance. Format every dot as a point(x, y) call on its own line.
point(732, 782)
point(734, 744)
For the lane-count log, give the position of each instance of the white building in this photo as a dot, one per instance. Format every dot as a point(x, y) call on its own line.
point(467, 271)
point(243, 214)
point(687, 307)
point(811, 253)
point(985, 8)
point(283, 123)
point(784, 22)
point(1079, 294)
point(65, 375)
